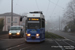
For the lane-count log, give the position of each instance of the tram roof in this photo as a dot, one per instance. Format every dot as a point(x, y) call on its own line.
point(35, 15)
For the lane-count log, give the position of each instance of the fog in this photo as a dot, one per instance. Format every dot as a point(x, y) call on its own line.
point(52, 9)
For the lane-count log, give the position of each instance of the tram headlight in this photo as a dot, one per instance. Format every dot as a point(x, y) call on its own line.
point(37, 34)
point(28, 34)
point(10, 33)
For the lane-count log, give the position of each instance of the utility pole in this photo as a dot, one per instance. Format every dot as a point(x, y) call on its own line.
point(11, 12)
point(59, 23)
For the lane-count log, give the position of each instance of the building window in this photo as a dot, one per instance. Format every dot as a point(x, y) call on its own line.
point(15, 20)
point(8, 20)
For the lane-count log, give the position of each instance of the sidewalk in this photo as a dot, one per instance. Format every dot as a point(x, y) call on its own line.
point(4, 36)
point(3, 32)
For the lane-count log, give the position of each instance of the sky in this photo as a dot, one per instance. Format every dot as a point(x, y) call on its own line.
point(51, 8)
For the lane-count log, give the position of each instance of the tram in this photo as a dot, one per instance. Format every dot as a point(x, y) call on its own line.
point(35, 27)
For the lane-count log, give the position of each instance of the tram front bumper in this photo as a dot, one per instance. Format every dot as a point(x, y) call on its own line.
point(33, 41)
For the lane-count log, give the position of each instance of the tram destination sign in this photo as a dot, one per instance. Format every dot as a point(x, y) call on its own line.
point(33, 19)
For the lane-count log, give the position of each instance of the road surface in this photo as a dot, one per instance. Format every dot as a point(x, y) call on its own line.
point(49, 44)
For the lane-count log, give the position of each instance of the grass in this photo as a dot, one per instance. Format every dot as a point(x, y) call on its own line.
point(52, 35)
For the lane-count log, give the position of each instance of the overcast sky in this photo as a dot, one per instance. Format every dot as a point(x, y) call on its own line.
point(51, 8)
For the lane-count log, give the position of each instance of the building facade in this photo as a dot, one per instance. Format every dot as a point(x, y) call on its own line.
point(7, 20)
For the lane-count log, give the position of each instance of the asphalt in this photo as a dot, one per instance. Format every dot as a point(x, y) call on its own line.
point(49, 44)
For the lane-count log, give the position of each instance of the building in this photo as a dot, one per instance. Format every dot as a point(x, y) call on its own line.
point(7, 20)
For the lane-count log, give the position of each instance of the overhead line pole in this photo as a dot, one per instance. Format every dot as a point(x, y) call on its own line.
point(11, 12)
point(59, 23)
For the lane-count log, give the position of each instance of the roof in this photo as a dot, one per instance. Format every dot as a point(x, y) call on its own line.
point(9, 14)
point(16, 26)
point(35, 15)
point(37, 12)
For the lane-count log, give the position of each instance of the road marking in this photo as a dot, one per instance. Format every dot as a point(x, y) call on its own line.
point(7, 49)
point(14, 47)
point(72, 41)
point(59, 45)
point(69, 39)
point(25, 48)
point(68, 43)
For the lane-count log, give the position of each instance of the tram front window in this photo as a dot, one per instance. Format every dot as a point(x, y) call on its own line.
point(33, 26)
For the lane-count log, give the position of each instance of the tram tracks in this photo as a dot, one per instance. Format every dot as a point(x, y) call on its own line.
point(63, 44)
point(59, 42)
point(70, 45)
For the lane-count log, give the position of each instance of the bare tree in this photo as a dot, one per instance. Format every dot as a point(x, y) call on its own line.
point(69, 15)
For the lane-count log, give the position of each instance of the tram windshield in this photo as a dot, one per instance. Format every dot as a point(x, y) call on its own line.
point(33, 25)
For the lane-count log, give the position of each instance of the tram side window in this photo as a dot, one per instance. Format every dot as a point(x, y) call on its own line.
point(43, 24)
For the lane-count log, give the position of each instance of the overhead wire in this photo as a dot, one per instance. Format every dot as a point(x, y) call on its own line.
point(16, 4)
point(57, 5)
point(37, 5)
point(54, 8)
point(48, 7)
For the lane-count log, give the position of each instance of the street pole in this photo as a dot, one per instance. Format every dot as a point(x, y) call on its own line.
point(11, 12)
point(59, 23)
